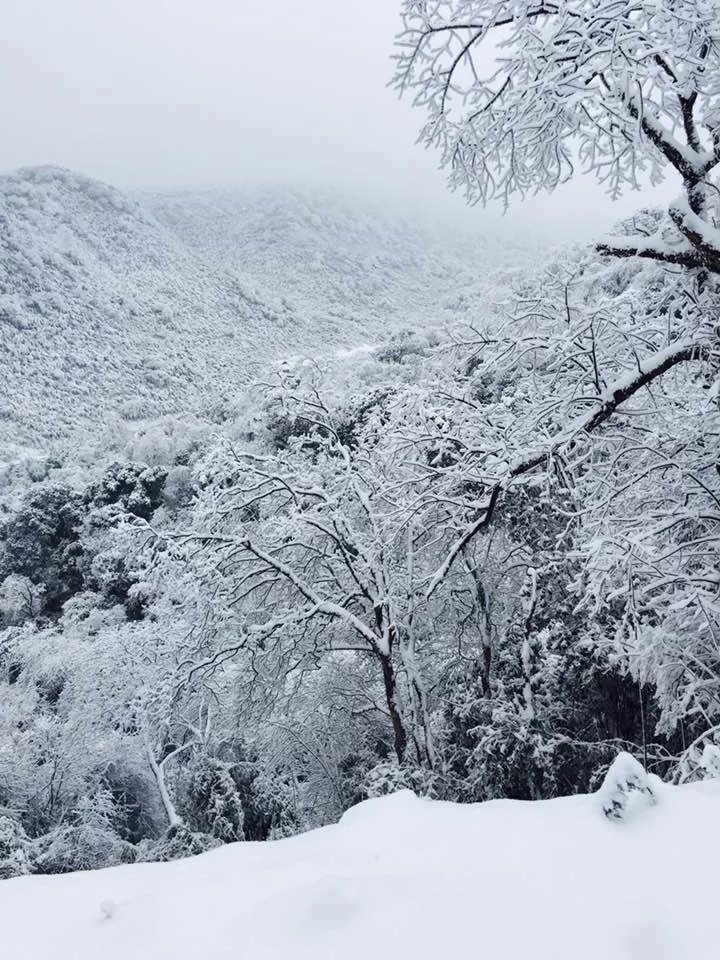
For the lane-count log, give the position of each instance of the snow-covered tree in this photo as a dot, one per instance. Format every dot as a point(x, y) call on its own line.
point(304, 548)
point(519, 96)
point(609, 383)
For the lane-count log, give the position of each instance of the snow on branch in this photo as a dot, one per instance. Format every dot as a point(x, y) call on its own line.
point(704, 238)
point(621, 390)
point(518, 96)
point(682, 253)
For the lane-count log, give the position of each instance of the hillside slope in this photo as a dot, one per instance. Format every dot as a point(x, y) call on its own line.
point(332, 257)
point(405, 878)
point(104, 313)
point(117, 307)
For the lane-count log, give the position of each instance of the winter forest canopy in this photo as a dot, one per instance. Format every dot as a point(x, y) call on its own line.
point(461, 536)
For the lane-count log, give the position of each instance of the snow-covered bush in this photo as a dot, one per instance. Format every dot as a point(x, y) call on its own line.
point(178, 842)
point(134, 488)
point(625, 787)
point(389, 777)
point(212, 802)
point(20, 600)
point(81, 847)
point(15, 849)
point(711, 761)
point(40, 541)
point(88, 840)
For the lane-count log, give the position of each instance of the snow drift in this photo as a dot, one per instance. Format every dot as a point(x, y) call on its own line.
point(401, 878)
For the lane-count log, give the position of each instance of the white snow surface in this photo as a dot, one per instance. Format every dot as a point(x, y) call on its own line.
point(401, 877)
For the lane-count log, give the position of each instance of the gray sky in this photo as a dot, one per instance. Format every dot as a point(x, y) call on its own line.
point(206, 92)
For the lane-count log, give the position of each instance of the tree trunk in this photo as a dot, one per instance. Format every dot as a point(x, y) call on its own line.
point(389, 682)
point(159, 774)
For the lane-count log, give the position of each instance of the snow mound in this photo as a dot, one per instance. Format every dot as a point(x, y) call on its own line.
point(401, 878)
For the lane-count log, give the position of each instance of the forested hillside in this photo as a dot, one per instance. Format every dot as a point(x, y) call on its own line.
point(105, 315)
point(238, 630)
point(340, 263)
point(116, 309)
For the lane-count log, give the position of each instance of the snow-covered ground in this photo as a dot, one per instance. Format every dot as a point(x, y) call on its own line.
point(405, 878)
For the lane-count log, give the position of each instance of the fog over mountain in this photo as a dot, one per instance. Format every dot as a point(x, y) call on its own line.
point(174, 93)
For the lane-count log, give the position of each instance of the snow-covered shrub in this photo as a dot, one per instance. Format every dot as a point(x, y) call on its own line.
point(401, 348)
point(89, 841)
point(355, 415)
point(711, 761)
point(132, 487)
point(700, 761)
point(179, 488)
point(212, 802)
point(542, 725)
point(176, 843)
point(168, 441)
point(503, 753)
point(20, 600)
point(14, 849)
point(40, 542)
point(285, 429)
point(267, 798)
point(80, 847)
point(12, 312)
point(625, 785)
point(389, 777)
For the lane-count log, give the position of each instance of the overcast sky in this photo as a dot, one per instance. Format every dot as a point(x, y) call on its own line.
point(205, 92)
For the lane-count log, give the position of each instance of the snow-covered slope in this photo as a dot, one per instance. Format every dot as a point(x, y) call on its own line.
point(333, 257)
point(104, 313)
point(112, 306)
point(405, 879)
